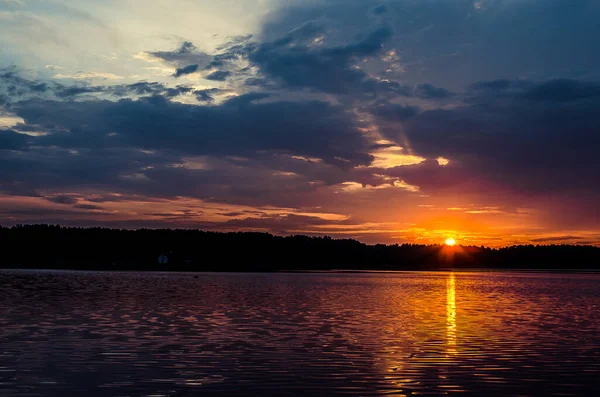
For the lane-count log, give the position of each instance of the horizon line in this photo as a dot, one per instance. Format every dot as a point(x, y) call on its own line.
point(322, 236)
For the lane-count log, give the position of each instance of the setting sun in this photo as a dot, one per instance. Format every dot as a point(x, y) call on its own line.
point(450, 241)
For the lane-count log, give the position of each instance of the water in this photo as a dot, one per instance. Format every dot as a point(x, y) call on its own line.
point(157, 334)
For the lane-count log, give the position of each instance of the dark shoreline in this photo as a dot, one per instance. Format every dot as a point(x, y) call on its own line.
point(299, 271)
point(56, 247)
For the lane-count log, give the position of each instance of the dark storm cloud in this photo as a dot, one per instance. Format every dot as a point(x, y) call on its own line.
point(240, 125)
point(53, 168)
point(297, 61)
point(11, 140)
point(412, 26)
point(541, 137)
point(326, 69)
point(454, 43)
point(135, 146)
point(512, 141)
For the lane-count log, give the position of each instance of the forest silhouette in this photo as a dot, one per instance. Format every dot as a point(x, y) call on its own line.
point(57, 247)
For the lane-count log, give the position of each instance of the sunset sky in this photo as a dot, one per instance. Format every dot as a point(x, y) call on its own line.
point(387, 121)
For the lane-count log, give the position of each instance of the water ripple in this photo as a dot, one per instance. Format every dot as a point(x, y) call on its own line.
point(158, 334)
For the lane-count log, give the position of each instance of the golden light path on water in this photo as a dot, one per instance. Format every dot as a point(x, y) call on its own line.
point(451, 314)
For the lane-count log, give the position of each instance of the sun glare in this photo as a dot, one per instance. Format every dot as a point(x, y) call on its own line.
point(450, 241)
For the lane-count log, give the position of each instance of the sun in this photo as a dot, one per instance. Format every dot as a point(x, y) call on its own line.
point(450, 241)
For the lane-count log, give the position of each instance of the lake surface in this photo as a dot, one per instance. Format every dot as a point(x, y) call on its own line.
point(79, 334)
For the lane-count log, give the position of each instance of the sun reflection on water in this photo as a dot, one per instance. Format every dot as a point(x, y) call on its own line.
point(451, 314)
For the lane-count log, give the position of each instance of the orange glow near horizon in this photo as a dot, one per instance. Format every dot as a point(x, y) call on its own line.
point(353, 216)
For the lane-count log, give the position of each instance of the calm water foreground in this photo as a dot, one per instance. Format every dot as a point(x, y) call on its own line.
point(84, 334)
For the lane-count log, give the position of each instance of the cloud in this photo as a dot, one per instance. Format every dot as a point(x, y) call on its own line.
point(88, 76)
point(297, 61)
point(556, 90)
point(187, 58)
point(11, 140)
point(363, 107)
point(189, 69)
point(239, 125)
point(557, 239)
point(499, 139)
point(428, 91)
point(208, 95)
point(453, 44)
point(219, 75)
point(142, 146)
point(329, 69)
point(563, 90)
point(19, 88)
point(74, 91)
point(387, 111)
point(14, 85)
point(90, 207)
point(516, 140)
point(62, 199)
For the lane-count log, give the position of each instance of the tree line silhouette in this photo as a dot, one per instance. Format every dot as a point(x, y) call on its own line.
point(57, 247)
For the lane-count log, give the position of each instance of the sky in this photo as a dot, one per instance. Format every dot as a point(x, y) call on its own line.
point(392, 121)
